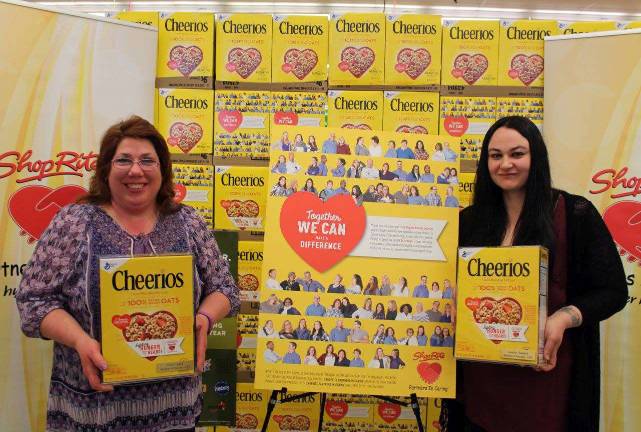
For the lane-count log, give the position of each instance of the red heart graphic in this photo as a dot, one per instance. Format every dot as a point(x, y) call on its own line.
point(472, 303)
point(307, 222)
point(358, 60)
point(185, 136)
point(121, 321)
point(301, 62)
point(361, 126)
point(470, 67)
point(245, 61)
point(185, 59)
point(528, 67)
point(230, 120)
point(389, 411)
point(33, 207)
point(456, 126)
point(278, 418)
point(429, 371)
point(415, 61)
point(239, 339)
point(411, 129)
point(180, 192)
point(624, 222)
point(286, 118)
point(336, 409)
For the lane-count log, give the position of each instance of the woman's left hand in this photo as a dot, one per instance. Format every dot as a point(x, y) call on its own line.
point(202, 324)
point(555, 326)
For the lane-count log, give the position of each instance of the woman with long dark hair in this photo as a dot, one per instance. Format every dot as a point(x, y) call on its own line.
point(514, 204)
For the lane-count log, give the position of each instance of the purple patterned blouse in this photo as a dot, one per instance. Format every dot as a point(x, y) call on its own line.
point(63, 274)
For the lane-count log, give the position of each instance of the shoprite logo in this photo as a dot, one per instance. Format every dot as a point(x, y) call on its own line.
point(29, 169)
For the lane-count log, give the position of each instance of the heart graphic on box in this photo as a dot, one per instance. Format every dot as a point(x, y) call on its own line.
point(185, 59)
point(456, 126)
point(336, 409)
point(140, 326)
point(237, 208)
point(470, 67)
point(286, 118)
point(180, 192)
point(624, 222)
point(429, 372)
point(361, 126)
point(230, 120)
point(322, 233)
point(356, 60)
point(185, 135)
point(413, 61)
point(488, 310)
point(389, 411)
point(244, 61)
point(526, 68)
point(411, 129)
point(301, 62)
point(33, 207)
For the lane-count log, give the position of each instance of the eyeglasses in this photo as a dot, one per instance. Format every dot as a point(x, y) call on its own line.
point(145, 164)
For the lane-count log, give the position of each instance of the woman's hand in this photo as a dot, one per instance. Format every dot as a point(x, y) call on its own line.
point(91, 360)
point(202, 325)
point(555, 326)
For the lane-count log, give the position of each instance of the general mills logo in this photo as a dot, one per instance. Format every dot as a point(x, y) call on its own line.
point(107, 266)
point(222, 388)
point(465, 254)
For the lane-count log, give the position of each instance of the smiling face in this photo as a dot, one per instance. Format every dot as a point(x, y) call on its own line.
point(509, 160)
point(133, 189)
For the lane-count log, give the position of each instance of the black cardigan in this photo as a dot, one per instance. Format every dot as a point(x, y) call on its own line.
point(596, 286)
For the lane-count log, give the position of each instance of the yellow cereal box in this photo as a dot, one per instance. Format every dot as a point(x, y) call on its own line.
point(357, 49)
point(194, 186)
point(355, 109)
point(531, 108)
point(392, 417)
point(586, 26)
point(521, 51)
point(413, 50)
point(470, 53)
point(298, 109)
point(299, 52)
point(138, 17)
point(244, 48)
point(250, 261)
point(468, 118)
point(411, 112)
point(632, 25)
point(147, 317)
point(502, 304)
point(241, 123)
point(466, 188)
point(185, 119)
point(185, 50)
point(240, 197)
point(251, 405)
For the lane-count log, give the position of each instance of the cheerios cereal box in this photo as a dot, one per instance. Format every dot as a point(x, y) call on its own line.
point(632, 25)
point(147, 317)
point(466, 188)
point(521, 51)
point(240, 194)
point(251, 405)
point(411, 112)
point(138, 17)
point(298, 109)
point(185, 50)
point(244, 48)
point(470, 53)
point(194, 186)
point(502, 304)
point(357, 49)
point(185, 119)
point(250, 261)
point(531, 108)
point(299, 52)
point(355, 109)
point(577, 27)
point(469, 118)
point(413, 50)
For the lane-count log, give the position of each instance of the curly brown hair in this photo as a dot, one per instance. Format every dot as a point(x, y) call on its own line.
point(138, 128)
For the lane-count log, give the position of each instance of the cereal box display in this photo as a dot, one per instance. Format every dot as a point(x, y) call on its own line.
point(147, 317)
point(413, 50)
point(241, 124)
point(250, 261)
point(194, 186)
point(355, 109)
point(138, 17)
point(185, 119)
point(411, 112)
point(240, 194)
point(468, 118)
point(577, 27)
point(251, 405)
point(502, 304)
point(298, 109)
point(357, 49)
point(531, 108)
point(244, 48)
point(185, 50)
point(393, 417)
point(470, 53)
point(521, 51)
point(299, 52)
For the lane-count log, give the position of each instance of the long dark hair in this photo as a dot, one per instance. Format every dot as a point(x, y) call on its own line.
point(534, 225)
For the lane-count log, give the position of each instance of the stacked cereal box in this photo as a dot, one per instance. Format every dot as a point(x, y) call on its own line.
point(355, 109)
point(502, 304)
point(194, 186)
point(240, 197)
point(244, 48)
point(357, 49)
point(468, 118)
point(298, 109)
point(185, 50)
point(411, 112)
point(586, 26)
point(138, 17)
point(531, 108)
point(185, 119)
point(250, 261)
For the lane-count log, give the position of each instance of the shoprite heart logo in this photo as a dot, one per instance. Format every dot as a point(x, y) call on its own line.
point(429, 372)
point(389, 411)
point(322, 233)
point(624, 222)
point(336, 409)
point(33, 207)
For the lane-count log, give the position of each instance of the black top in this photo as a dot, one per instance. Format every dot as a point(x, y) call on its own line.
point(596, 286)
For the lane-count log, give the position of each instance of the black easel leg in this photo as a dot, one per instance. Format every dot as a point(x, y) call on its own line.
point(417, 412)
point(322, 411)
point(270, 408)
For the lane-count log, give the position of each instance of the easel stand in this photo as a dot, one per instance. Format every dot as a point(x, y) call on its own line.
point(273, 400)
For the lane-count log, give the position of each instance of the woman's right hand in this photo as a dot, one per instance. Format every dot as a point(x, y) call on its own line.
point(92, 360)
